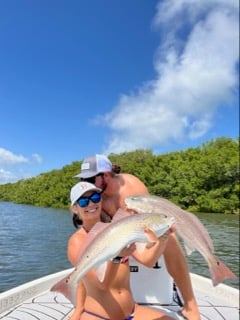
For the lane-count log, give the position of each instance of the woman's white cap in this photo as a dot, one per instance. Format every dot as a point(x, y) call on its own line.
point(80, 188)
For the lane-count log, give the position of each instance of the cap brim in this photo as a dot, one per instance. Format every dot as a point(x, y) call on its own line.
point(73, 201)
point(86, 175)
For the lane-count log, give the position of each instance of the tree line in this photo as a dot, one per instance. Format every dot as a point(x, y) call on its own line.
point(201, 179)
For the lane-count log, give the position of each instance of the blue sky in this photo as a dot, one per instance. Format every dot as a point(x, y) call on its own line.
point(92, 76)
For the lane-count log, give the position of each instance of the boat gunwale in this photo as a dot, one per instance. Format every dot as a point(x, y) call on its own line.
point(14, 297)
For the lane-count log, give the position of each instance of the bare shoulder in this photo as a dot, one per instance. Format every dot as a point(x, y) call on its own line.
point(74, 244)
point(77, 237)
point(132, 184)
point(127, 177)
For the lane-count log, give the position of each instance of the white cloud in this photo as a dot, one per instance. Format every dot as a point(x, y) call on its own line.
point(191, 10)
point(6, 176)
point(9, 158)
point(37, 158)
point(196, 74)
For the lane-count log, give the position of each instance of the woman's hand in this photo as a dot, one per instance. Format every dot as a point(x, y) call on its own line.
point(127, 251)
point(153, 237)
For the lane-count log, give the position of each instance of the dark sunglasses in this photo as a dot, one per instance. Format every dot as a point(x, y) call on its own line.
point(92, 179)
point(84, 201)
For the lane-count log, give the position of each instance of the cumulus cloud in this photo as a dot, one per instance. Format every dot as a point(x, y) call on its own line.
point(196, 74)
point(6, 176)
point(9, 159)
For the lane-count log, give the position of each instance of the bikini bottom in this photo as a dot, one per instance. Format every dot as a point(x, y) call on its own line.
point(130, 317)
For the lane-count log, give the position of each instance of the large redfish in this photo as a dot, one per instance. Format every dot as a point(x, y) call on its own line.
point(106, 240)
point(189, 228)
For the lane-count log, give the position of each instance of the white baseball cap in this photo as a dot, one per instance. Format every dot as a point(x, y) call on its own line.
point(94, 165)
point(80, 188)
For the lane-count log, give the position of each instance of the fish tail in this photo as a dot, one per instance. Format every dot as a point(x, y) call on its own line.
point(64, 286)
point(220, 272)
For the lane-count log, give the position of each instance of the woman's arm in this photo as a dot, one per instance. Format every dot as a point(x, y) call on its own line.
point(74, 244)
point(152, 252)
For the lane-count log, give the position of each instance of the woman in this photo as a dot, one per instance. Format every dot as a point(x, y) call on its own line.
point(111, 299)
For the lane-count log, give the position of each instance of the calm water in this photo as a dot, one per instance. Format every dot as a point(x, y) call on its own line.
point(33, 243)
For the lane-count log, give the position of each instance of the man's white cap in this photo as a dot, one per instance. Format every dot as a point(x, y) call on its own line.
point(80, 188)
point(94, 165)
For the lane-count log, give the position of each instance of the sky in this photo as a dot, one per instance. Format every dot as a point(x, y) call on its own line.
point(93, 76)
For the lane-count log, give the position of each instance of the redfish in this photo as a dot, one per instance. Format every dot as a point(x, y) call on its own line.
point(189, 228)
point(106, 240)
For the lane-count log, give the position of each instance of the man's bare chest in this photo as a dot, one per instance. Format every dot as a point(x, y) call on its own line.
point(111, 205)
point(110, 208)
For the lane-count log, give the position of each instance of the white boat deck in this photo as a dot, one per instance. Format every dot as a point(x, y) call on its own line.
point(54, 306)
point(46, 306)
point(34, 301)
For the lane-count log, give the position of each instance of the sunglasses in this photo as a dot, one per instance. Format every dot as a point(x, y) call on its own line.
point(93, 179)
point(84, 201)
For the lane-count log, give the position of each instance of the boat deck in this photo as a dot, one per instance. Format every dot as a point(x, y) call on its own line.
point(46, 306)
point(54, 306)
point(34, 301)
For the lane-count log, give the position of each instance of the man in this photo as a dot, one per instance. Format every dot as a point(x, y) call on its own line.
point(97, 169)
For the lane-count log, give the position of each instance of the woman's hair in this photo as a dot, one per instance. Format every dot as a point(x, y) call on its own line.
point(77, 222)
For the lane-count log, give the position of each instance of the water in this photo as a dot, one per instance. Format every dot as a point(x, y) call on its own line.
point(224, 231)
point(33, 243)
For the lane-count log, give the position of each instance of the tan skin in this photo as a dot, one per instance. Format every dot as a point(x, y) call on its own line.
point(111, 298)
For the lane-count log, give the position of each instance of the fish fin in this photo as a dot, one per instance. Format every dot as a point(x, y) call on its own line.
point(140, 246)
point(97, 228)
point(101, 270)
point(189, 249)
point(65, 287)
point(120, 214)
point(220, 272)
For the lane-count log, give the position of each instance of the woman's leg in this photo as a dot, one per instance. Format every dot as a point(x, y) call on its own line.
point(145, 313)
point(88, 315)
